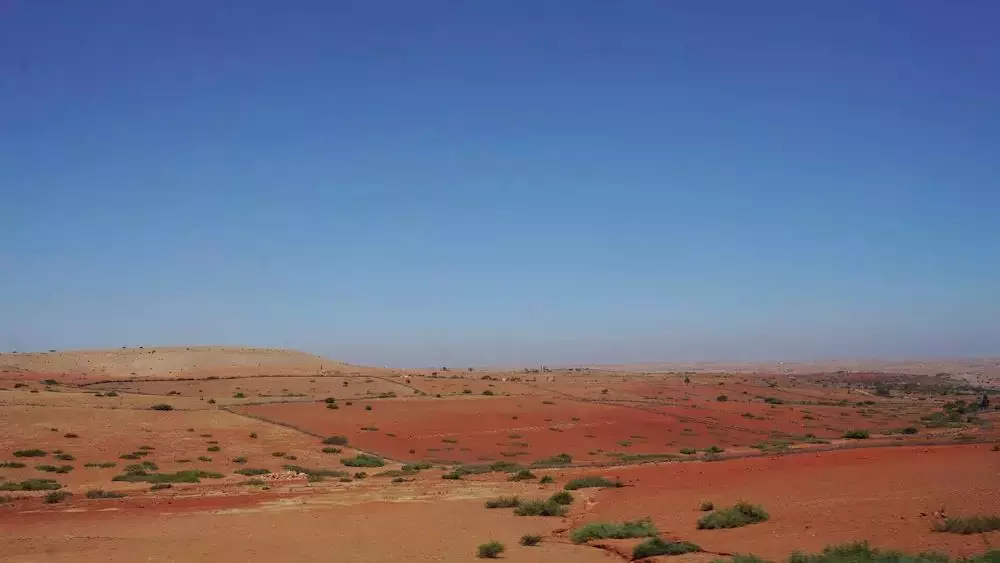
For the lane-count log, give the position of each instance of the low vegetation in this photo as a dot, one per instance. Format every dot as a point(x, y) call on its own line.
point(556, 460)
point(30, 453)
point(529, 540)
point(56, 496)
point(657, 546)
point(248, 471)
point(363, 460)
point(162, 407)
point(863, 553)
point(540, 508)
point(591, 482)
point(335, 440)
point(522, 475)
point(98, 493)
point(54, 468)
point(562, 497)
point(614, 530)
point(139, 475)
point(503, 502)
point(969, 525)
point(30, 485)
point(856, 434)
point(490, 550)
point(11, 464)
point(315, 474)
point(741, 514)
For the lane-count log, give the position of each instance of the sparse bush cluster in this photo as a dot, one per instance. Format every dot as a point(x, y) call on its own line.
point(30, 485)
point(490, 550)
point(591, 482)
point(969, 525)
point(656, 546)
point(863, 553)
point(138, 474)
point(363, 460)
point(614, 530)
point(98, 493)
point(741, 514)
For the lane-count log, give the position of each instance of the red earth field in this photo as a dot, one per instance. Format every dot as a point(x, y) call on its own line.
point(769, 438)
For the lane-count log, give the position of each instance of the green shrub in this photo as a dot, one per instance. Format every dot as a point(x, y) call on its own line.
point(368, 407)
point(11, 464)
point(335, 440)
point(910, 430)
point(251, 471)
point(744, 559)
point(529, 540)
point(560, 459)
point(213, 448)
point(70, 435)
point(488, 392)
point(161, 486)
point(741, 514)
point(189, 476)
point(102, 464)
point(30, 453)
point(490, 550)
point(419, 466)
point(714, 450)
point(162, 407)
point(329, 450)
point(688, 451)
point(545, 480)
point(503, 502)
point(65, 457)
point(969, 525)
point(614, 530)
point(56, 496)
point(721, 399)
point(656, 546)
point(31, 485)
point(539, 508)
point(363, 460)
point(522, 475)
point(562, 497)
point(253, 435)
point(707, 505)
point(329, 400)
point(856, 434)
point(204, 458)
point(591, 482)
point(862, 553)
point(54, 469)
point(98, 493)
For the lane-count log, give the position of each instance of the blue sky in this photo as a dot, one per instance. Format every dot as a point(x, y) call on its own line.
point(517, 182)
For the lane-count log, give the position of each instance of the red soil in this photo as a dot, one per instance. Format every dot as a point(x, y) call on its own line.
point(887, 496)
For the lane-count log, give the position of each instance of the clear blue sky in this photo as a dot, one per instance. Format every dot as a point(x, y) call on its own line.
point(465, 182)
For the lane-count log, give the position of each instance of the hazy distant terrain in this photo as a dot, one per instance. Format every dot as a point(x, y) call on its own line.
point(165, 361)
point(973, 370)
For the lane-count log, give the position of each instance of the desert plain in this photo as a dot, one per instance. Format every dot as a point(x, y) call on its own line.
point(238, 454)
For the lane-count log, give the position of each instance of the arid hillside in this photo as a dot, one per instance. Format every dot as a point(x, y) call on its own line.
point(167, 362)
